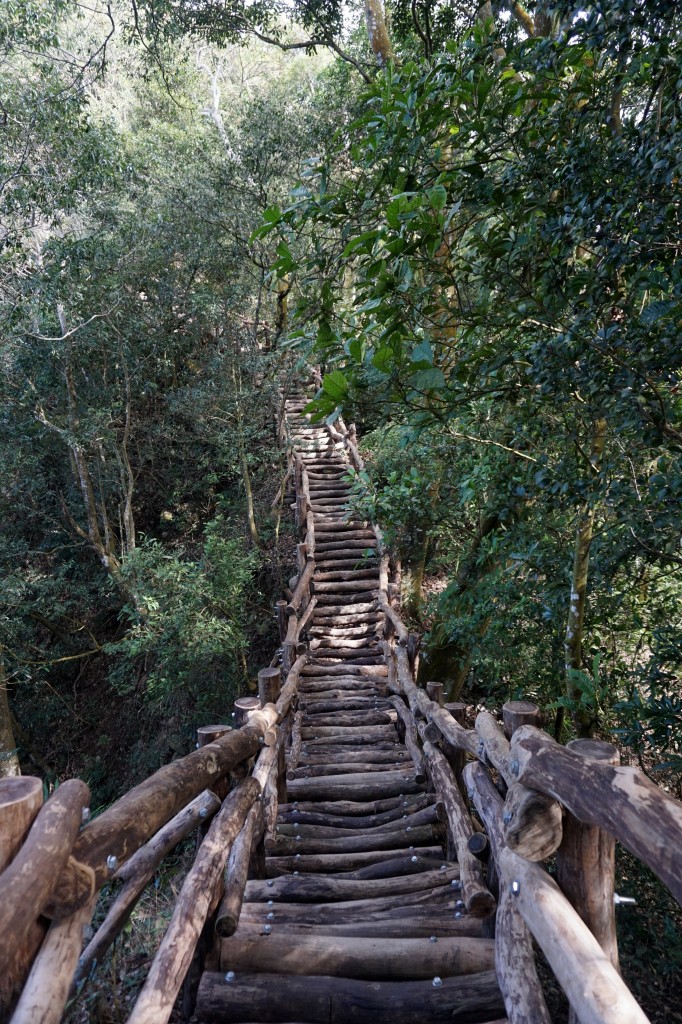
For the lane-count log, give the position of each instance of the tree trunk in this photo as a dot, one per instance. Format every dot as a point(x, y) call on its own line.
point(583, 718)
point(9, 759)
point(378, 33)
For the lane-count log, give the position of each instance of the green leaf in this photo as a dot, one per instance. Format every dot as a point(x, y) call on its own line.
point(335, 385)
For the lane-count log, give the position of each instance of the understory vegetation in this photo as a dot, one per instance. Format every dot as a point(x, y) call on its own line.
point(468, 215)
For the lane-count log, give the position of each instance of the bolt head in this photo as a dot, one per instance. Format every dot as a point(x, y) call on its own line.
point(85, 815)
point(203, 812)
point(456, 884)
point(437, 982)
point(270, 884)
point(230, 976)
point(112, 862)
point(507, 817)
point(433, 938)
point(414, 859)
point(270, 902)
point(267, 929)
point(514, 768)
point(459, 904)
point(515, 888)
point(271, 916)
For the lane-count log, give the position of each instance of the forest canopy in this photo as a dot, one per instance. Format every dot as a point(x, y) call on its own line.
point(469, 216)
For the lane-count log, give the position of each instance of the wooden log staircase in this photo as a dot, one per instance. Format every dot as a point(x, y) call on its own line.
point(361, 912)
point(363, 852)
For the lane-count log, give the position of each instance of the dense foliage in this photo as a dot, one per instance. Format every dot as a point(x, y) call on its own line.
point(494, 285)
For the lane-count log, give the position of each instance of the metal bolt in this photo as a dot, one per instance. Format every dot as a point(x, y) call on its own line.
point(271, 916)
point(415, 859)
point(433, 938)
point(270, 884)
point(203, 812)
point(267, 928)
point(515, 888)
point(270, 902)
point(409, 827)
point(298, 856)
point(230, 976)
point(296, 872)
point(456, 884)
point(514, 768)
point(404, 803)
point(458, 913)
point(459, 904)
point(507, 817)
point(112, 862)
point(443, 867)
point(411, 847)
point(298, 839)
point(437, 982)
point(85, 815)
point(295, 810)
point(627, 900)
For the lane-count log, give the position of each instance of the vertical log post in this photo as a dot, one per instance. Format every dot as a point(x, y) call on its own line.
point(434, 691)
point(207, 734)
point(269, 685)
point(282, 619)
point(21, 797)
point(586, 864)
point(242, 707)
point(516, 713)
point(413, 644)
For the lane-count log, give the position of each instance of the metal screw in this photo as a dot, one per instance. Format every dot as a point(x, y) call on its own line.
point(85, 815)
point(515, 888)
point(270, 902)
point(627, 900)
point(411, 847)
point(507, 817)
point(271, 916)
point(112, 862)
point(230, 976)
point(404, 803)
point(298, 856)
point(459, 904)
point(267, 928)
point(458, 913)
point(456, 884)
point(433, 938)
point(270, 884)
point(415, 859)
point(514, 768)
point(295, 810)
point(437, 982)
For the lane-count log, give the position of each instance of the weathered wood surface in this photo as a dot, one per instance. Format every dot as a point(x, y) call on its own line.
point(236, 872)
point(47, 988)
point(192, 907)
point(137, 873)
point(586, 862)
point(369, 958)
point(514, 955)
point(21, 798)
point(27, 883)
point(331, 1000)
point(331, 888)
point(116, 834)
point(479, 900)
point(593, 986)
point(622, 800)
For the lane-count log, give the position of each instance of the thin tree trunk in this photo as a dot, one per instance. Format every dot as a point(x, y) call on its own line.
point(377, 32)
point(9, 760)
point(583, 718)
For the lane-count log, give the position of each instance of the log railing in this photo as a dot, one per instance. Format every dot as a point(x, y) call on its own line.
point(54, 861)
point(535, 798)
point(571, 802)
